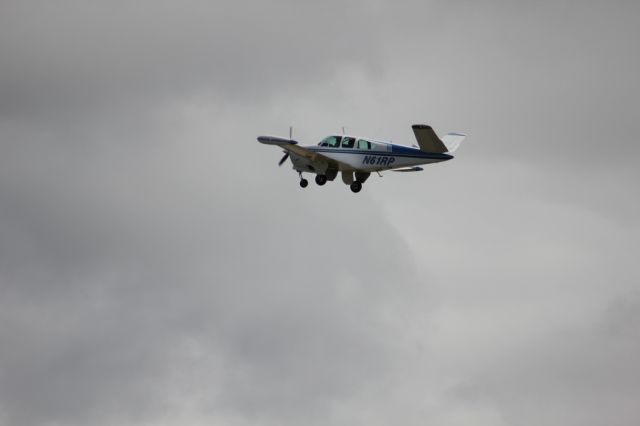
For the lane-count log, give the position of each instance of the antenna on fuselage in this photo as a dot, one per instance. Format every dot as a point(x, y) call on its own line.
point(343, 130)
point(290, 132)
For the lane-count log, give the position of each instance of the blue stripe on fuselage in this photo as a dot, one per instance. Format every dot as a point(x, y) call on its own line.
point(413, 152)
point(396, 150)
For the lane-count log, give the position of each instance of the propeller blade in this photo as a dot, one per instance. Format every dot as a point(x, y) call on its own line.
point(281, 162)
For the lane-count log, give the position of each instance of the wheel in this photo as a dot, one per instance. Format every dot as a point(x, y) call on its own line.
point(321, 179)
point(356, 186)
point(304, 183)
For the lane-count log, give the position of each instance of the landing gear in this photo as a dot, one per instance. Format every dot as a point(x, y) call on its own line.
point(303, 181)
point(321, 179)
point(356, 186)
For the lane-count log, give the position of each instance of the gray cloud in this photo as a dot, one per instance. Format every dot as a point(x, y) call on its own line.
point(75, 54)
point(156, 265)
point(150, 276)
point(556, 377)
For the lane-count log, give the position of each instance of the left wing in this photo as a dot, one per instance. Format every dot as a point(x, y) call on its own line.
point(276, 140)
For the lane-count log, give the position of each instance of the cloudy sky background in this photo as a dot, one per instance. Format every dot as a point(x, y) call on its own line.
point(157, 267)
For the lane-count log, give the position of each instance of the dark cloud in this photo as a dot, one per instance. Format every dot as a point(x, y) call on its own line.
point(156, 265)
point(127, 278)
point(72, 54)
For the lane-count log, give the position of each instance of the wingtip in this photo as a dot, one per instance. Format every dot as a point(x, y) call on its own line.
point(276, 140)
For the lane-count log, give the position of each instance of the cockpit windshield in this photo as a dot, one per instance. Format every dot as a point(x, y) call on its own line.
point(331, 141)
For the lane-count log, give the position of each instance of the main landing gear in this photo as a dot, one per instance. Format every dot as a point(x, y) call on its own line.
point(355, 185)
point(303, 181)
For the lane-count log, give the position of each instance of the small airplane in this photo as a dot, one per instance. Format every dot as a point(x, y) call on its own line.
point(356, 157)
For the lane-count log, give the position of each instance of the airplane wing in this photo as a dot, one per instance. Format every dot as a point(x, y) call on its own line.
point(427, 139)
point(292, 146)
point(276, 140)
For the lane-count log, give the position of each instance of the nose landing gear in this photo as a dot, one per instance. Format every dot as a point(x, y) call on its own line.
point(303, 181)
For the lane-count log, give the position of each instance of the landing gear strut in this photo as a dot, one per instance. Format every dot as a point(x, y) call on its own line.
point(321, 179)
point(303, 181)
point(356, 186)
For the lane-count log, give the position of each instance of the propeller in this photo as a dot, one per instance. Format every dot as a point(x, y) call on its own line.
point(286, 155)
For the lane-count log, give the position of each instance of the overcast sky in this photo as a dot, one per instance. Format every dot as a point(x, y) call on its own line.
point(157, 267)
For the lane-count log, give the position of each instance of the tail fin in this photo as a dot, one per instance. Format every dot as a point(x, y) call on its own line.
point(430, 142)
point(427, 139)
point(453, 141)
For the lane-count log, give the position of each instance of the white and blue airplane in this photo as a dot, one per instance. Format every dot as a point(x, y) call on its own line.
point(356, 157)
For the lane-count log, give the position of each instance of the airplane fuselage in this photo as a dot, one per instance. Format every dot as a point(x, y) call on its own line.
point(386, 157)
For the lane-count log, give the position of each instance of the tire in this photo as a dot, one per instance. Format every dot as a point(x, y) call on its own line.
point(321, 179)
point(304, 183)
point(356, 186)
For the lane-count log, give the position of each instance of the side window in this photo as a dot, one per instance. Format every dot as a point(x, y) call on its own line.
point(348, 142)
point(380, 147)
point(362, 144)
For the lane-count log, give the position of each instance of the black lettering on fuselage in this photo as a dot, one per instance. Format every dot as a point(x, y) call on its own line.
point(380, 160)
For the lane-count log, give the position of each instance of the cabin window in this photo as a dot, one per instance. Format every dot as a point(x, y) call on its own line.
point(363, 144)
point(348, 142)
point(379, 146)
